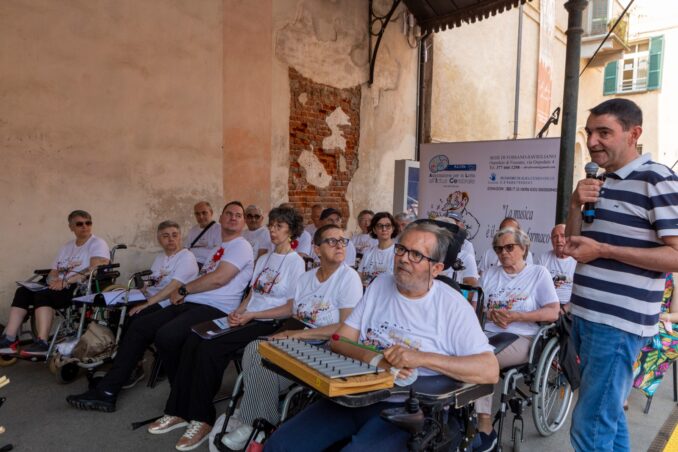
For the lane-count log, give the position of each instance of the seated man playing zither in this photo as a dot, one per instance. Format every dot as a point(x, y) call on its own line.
point(420, 324)
point(71, 266)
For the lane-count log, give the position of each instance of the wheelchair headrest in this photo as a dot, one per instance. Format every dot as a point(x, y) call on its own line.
point(458, 235)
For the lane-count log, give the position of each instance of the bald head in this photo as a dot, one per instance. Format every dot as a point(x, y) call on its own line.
point(509, 222)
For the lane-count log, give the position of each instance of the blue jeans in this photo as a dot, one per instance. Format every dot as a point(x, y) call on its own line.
point(607, 355)
point(325, 423)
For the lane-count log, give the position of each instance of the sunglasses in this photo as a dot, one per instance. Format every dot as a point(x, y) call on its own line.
point(509, 248)
point(383, 226)
point(250, 216)
point(83, 223)
point(335, 242)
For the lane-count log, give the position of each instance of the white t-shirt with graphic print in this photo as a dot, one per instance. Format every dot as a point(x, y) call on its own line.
point(376, 261)
point(73, 259)
point(181, 266)
point(363, 242)
point(441, 321)
point(318, 303)
point(273, 281)
point(526, 291)
point(237, 252)
point(562, 273)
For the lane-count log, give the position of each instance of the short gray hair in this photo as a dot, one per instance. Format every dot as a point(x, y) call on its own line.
point(519, 236)
point(405, 216)
point(444, 238)
point(168, 224)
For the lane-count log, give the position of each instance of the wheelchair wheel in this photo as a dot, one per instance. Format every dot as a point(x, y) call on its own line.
point(6, 361)
point(67, 373)
point(553, 398)
point(517, 438)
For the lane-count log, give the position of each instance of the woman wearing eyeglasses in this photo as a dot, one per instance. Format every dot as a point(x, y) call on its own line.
point(203, 362)
point(379, 258)
point(323, 298)
point(75, 259)
point(518, 296)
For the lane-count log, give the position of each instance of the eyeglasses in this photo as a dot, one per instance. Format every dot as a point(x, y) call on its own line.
point(250, 216)
point(383, 226)
point(83, 223)
point(413, 255)
point(335, 242)
point(509, 248)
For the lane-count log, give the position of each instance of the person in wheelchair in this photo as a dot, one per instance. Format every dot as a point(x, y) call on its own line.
point(202, 362)
point(323, 297)
point(421, 325)
point(216, 292)
point(519, 295)
point(71, 266)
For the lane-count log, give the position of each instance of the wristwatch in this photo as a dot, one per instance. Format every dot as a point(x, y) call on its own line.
point(183, 291)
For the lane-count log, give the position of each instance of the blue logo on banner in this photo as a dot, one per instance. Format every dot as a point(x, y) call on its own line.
point(442, 163)
point(493, 177)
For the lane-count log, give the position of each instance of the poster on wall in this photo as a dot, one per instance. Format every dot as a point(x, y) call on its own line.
point(486, 181)
point(406, 187)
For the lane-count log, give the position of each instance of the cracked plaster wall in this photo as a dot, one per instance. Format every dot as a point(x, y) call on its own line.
point(326, 41)
point(105, 110)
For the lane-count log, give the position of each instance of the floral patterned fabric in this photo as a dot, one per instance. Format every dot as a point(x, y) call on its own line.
point(655, 358)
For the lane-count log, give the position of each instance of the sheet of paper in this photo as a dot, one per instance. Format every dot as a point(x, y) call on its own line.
point(32, 286)
point(114, 297)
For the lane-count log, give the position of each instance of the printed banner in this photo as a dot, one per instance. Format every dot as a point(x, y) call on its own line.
point(486, 181)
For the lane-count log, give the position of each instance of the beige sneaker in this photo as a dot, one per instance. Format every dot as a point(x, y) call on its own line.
point(166, 424)
point(195, 434)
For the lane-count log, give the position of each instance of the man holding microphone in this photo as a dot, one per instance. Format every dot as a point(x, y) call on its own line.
point(622, 254)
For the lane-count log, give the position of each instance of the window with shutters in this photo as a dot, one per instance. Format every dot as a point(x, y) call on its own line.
point(633, 69)
point(640, 69)
point(599, 16)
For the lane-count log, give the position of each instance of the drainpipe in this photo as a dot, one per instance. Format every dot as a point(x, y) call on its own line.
point(516, 107)
point(568, 131)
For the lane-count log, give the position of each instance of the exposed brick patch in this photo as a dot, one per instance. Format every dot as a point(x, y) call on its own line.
point(310, 105)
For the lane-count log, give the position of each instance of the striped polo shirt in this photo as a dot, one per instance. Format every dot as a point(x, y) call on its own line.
point(638, 205)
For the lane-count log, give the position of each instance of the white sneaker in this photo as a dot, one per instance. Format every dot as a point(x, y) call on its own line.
point(237, 439)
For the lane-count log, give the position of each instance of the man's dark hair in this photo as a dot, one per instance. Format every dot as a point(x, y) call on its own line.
point(330, 211)
point(318, 236)
point(290, 217)
point(79, 213)
point(231, 203)
point(378, 216)
point(627, 112)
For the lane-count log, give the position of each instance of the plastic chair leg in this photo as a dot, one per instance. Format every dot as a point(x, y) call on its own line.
point(647, 405)
point(675, 383)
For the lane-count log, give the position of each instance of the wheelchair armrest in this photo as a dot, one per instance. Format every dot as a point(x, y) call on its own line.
point(42, 272)
point(502, 340)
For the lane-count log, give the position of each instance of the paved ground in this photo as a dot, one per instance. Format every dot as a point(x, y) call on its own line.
point(37, 417)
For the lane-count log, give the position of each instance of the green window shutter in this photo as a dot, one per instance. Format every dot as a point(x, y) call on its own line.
point(610, 84)
point(654, 75)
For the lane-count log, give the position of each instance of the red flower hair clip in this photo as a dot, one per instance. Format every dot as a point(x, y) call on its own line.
point(294, 244)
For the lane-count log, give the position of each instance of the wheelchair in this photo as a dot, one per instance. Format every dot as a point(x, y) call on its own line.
point(70, 320)
point(540, 384)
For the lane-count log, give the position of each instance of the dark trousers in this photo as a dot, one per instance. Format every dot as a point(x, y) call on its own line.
point(56, 299)
point(325, 423)
point(201, 371)
point(168, 328)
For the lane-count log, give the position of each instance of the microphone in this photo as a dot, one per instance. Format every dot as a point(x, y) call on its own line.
point(589, 212)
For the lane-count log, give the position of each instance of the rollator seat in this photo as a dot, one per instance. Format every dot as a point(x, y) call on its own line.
point(502, 340)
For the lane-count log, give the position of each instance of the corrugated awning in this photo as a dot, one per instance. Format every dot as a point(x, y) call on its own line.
point(438, 15)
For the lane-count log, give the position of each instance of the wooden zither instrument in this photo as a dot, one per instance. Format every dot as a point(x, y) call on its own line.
point(330, 373)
